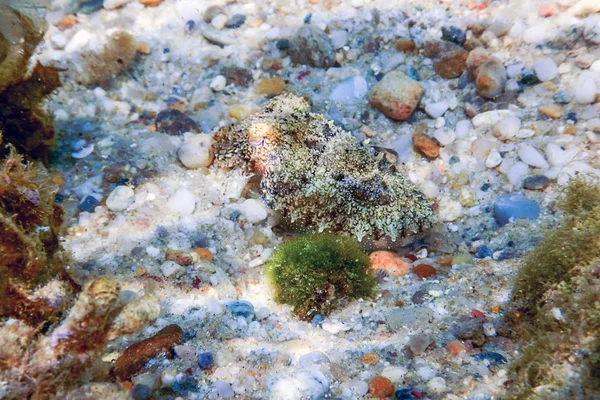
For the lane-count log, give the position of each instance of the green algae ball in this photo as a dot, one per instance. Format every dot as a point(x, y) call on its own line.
point(316, 271)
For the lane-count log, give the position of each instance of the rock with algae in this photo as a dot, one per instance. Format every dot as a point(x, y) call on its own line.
point(319, 177)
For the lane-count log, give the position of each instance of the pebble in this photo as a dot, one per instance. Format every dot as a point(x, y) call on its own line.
point(558, 157)
point(66, 22)
point(89, 204)
point(271, 86)
point(456, 347)
point(545, 69)
point(218, 21)
point(585, 89)
point(515, 206)
point(516, 172)
point(536, 182)
point(426, 145)
point(139, 353)
point(182, 201)
point(112, 4)
point(83, 6)
point(224, 389)
point(528, 77)
point(78, 41)
point(174, 122)
point(335, 327)
point(491, 79)
point(551, 110)
point(437, 109)
point(531, 156)
point(339, 38)
point(388, 261)
point(493, 159)
point(140, 392)
point(237, 76)
point(492, 357)
point(406, 394)
point(405, 45)
point(381, 387)
point(444, 136)
point(507, 128)
point(453, 34)
point(419, 343)
point(120, 198)
point(311, 46)
point(212, 12)
point(350, 90)
point(240, 308)
point(151, 3)
point(253, 210)
point(170, 268)
point(396, 95)
point(561, 97)
point(196, 151)
point(369, 359)
point(476, 58)
point(449, 60)
point(424, 271)
point(235, 21)
point(308, 383)
point(591, 31)
point(472, 330)
point(313, 358)
point(437, 385)
point(548, 10)
point(218, 83)
point(283, 44)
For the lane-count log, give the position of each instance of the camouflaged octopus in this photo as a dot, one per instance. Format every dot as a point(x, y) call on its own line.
point(319, 177)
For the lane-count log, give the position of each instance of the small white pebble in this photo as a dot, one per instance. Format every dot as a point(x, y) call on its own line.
point(507, 127)
point(182, 201)
point(196, 151)
point(585, 89)
point(493, 159)
point(253, 210)
point(218, 83)
point(437, 109)
point(530, 155)
point(218, 22)
point(120, 198)
point(545, 68)
point(78, 42)
point(437, 385)
point(516, 172)
point(445, 136)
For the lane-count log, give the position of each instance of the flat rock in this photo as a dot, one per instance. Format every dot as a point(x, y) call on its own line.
point(515, 206)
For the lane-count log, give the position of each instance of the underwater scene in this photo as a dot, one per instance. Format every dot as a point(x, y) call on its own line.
point(300, 199)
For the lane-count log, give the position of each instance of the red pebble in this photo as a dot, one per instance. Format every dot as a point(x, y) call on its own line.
point(381, 387)
point(424, 271)
point(547, 10)
point(478, 314)
point(411, 257)
point(418, 395)
point(303, 74)
point(196, 283)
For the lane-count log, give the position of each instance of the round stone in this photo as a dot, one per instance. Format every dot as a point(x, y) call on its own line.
point(515, 206)
point(396, 95)
point(196, 151)
point(120, 198)
point(545, 68)
point(205, 360)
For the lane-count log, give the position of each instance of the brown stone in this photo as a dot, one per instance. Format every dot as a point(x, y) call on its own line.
point(179, 257)
point(449, 60)
point(270, 86)
point(133, 359)
point(143, 48)
point(406, 45)
point(396, 95)
point(238, 76)
point(426, 145)
point(552, 110)
point(370, 359)
point(476, 57)
point(424, 271)
point(381, 387)
point(204, 253)
point(491, 79)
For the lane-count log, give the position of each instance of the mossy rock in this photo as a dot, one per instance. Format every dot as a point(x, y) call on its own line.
point(315, 272)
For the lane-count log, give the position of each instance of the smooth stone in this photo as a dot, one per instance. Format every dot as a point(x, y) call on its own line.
point(531, 156)
point(313, 358)
point(453, 34)
point(196, 151)
point(240, 308)
point(558, 157)
point(309, 383)
point(311, 46)
point(120, 198)
point(253, 210)
point(515, 206)
point(88, 204)
point(493, 159)
point(205, 360)
point(218, 83)
point(170, 268)
point(349, 90)
point(182, 201)
point(78, 41)
point(224, 389)
point(444, 136)
point(517, 171)
point(584, 90)
point(507, 128)
point(83, 6)
point(493, 357)
point(545, 68)
point(536, 182)
point(491, 79)
point(235, 21)
point(437, 109)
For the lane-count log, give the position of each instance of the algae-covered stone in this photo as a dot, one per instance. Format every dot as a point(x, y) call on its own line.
point(318, 177)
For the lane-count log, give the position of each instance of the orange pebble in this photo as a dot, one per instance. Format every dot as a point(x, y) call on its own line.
point(496, 309)
point(455, 347)
point(204, 253)
point(370, 359)
point(66, 22)
point(150, 3)
point(390, 262)
point(381, 387)
point(547, 10)
point(424, 271)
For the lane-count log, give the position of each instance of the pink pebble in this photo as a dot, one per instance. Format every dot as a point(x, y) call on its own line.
point(390, 262)
point(547, 10)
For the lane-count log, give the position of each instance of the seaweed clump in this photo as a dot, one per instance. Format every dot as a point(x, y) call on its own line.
point(319, 177)
point(314, 272)
point(116, 58)
point(556, 304)
point(23, 122)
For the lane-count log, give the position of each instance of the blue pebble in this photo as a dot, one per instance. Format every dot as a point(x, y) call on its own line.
point(572, 116)
point(240, 308)
point(84, 6)
point(413, 74)
point(283, 44)
point(453, 160)
point(483, 252)
point(307, 18)
point(405, 394)
point(206, 360)
point(453, 34)
point(89, 204)
point(485, 187)
point(515, 206)
point(190, 26)
point(561, 97)
point(493, 357)
point(317, 319)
